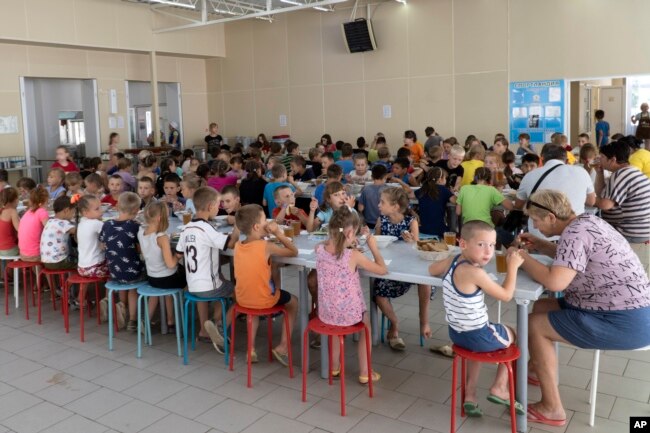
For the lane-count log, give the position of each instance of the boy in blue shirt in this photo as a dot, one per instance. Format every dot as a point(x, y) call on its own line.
point(334, 174)
point(602, 129)
point(346, 163)
point(279, 177)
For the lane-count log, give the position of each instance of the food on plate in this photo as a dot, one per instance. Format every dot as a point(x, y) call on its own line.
point(432, 245)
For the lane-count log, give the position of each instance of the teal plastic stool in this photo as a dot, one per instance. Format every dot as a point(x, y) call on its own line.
point(190, 300)
point(144, 293)
point(111, 288)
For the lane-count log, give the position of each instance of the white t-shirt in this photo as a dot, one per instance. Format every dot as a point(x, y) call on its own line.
point(90, 252)
point(153, 257)
point(573, 180)
point(55, 239)
point(200, 243)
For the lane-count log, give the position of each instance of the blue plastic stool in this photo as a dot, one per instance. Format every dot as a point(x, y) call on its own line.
point(111, 288)
point(383, 327)
point(144, 293)
point(190, 300)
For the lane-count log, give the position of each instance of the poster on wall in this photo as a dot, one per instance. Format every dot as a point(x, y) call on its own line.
point(8, 124)
point(536, 108)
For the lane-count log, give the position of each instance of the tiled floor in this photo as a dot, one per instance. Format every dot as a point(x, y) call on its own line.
point(51, 382)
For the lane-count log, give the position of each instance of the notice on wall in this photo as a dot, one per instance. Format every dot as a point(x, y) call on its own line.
point(8, 124)
point(537, 108)
point(112, 122)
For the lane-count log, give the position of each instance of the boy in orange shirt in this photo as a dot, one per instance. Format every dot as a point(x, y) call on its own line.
point(255, 288)
point(411, 143)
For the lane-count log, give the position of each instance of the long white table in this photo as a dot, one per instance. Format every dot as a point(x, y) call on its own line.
point(406, 266)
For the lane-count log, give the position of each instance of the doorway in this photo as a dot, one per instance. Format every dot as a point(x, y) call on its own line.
point(139, 101)
point(59, 112)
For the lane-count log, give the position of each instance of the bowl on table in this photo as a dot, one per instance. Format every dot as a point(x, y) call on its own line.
point(303, 185)
point(221, 220)
point(383, 241)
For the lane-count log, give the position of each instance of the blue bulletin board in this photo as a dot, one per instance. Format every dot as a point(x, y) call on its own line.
point(536, 108)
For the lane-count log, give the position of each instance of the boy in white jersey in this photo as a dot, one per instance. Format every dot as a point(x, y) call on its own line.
point(466, 312)
point(201, 243)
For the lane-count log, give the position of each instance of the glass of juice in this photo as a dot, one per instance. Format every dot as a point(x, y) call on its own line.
point(450, 238)
point(296, 225)
point(288, 231)
point(501, 262)
point(187, 217)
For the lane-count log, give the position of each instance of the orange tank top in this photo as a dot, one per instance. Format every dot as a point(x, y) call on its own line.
point(254, 287)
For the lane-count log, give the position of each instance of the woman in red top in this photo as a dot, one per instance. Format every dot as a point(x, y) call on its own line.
point(63, 160)
point(9, 222)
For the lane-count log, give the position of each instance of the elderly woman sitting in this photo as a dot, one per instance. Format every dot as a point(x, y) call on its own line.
point(606, 302)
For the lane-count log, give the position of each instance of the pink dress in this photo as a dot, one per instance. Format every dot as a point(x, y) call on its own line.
point(340, 298)
point(219, 183)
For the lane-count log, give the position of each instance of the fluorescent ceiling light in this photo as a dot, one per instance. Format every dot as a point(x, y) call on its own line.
point(320, 8)
point(291, 2)
point(401, 1)
point(171, 3)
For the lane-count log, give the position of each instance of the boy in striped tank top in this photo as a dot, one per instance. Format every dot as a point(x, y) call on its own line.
point(464, 284)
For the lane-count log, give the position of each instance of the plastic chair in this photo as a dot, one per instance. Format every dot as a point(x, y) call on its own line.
point(250, 312)
point(190, 301)
point(505, 356)
point(28, 282)
point(3, 265)
point(48, 274)
point(317, 326)
point(111, 288)
point(83, 282)
point(145, 292)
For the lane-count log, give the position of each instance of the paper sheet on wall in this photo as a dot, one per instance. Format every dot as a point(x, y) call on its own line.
point(120, 122)
point(554, 94)
point(8, 124)
point(112, 122)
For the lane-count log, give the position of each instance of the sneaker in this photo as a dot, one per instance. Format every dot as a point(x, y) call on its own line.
point(120, 315)
point(103, 310)
point(132, 326)
point(215, 336)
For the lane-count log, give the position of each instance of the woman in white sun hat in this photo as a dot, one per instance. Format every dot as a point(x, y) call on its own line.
point(174, 135)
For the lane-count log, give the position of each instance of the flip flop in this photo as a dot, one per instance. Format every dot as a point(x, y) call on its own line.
point(533, 381)
point(535, 416)
point(472, 409)
point(444, 350)
point(282, 358)
point(396, 343)
point(519, 408)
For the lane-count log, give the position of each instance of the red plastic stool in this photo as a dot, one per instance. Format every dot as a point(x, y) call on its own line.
point(48, 274)
point(317, 326)
point(28, 283)
point(83, 282)
point(250, 312)
point(504, 356)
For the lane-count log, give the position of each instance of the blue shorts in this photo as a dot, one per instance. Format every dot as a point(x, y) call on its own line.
point(604, 330)
point(489, 338)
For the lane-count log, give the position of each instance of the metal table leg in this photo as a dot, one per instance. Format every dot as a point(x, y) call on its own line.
point(522, 362)
point(374, 319)
point(303, 314)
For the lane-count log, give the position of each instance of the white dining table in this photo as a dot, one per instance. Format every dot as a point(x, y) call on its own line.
point(404, 265)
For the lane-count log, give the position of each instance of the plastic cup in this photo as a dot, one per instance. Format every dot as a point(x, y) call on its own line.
point(187, 217)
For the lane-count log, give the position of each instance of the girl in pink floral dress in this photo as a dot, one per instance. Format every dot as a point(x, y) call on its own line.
point(340, 298)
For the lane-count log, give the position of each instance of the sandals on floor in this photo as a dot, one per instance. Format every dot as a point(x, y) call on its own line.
point(282, 358)
point(533, 381)
point(519, 408)
point(396, 343)
point(472, 410)
point(364, 379)
point(444, 350)
point(535, 416)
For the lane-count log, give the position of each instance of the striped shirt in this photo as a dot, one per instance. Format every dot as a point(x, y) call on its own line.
point(629, 188)
point(464, 312)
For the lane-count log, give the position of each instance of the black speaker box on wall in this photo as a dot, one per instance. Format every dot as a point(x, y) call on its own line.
point(359, 36)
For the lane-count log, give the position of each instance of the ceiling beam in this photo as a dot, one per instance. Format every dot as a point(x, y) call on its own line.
point(261, 13)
